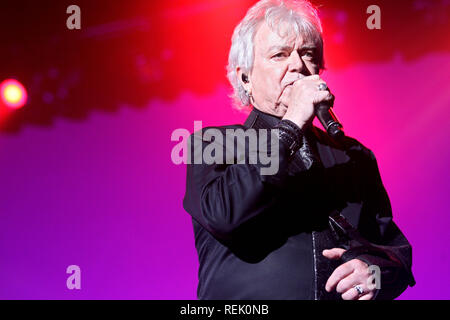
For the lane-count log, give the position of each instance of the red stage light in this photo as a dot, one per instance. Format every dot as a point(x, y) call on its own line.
point(13, 93)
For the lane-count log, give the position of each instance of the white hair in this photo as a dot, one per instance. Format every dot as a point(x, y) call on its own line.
point(300, 14)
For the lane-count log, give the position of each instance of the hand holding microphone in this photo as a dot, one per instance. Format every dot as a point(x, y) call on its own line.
point(327, 117)
point(308, 97)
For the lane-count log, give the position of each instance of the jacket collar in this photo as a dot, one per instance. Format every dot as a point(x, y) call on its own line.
point(267, 119)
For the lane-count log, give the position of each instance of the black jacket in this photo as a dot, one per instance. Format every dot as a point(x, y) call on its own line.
point(261, 236)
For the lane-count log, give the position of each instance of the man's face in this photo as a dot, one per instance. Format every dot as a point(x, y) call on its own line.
point(279, 61)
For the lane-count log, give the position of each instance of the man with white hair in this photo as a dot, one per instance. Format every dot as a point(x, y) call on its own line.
point(319, 228)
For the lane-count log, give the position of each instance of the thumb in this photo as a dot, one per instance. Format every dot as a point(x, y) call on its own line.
point(334, 254)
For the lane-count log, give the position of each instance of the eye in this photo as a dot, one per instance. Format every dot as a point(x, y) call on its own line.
point(280, 55)
point(308, 54)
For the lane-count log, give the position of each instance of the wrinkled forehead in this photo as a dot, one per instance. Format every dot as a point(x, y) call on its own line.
point(282, 34)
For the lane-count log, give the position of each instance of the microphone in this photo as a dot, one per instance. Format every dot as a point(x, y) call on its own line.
point(329, 120)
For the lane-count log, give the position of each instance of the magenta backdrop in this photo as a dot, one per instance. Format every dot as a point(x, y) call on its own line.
point(103, 193)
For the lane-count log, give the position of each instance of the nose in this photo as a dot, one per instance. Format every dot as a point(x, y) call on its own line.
point(296, 64)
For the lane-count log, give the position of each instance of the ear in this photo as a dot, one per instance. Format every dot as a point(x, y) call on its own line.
point(247, 85)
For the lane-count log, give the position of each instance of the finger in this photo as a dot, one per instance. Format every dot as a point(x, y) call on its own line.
point(348, 283)
point(311, 81)
point(330, 96)
point(334, 254)
point(353, 294)
point(350, 294)
point(367, 296)
point(338, 274)
point(312, 77)
point(321, 95)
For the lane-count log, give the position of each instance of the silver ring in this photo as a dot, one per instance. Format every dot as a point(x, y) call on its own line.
point(359, 289)
point(323, 86)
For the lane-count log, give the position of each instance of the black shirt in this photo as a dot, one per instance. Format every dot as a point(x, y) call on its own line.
point(254, 233)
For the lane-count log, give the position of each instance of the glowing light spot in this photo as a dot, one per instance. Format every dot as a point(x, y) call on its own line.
point(13, 93)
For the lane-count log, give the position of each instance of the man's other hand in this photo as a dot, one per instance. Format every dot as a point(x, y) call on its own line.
point(348, 275)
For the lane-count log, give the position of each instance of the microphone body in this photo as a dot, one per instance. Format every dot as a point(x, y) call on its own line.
point(329, 120)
